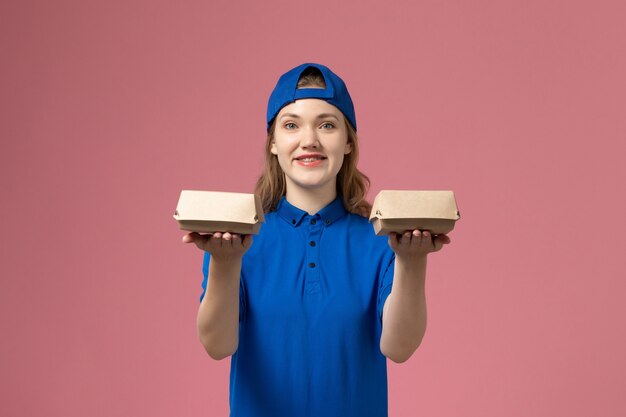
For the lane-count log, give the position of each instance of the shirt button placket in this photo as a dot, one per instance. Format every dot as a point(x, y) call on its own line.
point(312, 259)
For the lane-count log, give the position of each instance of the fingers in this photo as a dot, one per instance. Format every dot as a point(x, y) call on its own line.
point(232, 243)
point(445, 239)
point(216, 240)
point(393, 240)
point(220, 242)
point(417, 241)
point(203, 241)
point(199, 240)
point(231, 240)
point(414, 238)
point(246, 241)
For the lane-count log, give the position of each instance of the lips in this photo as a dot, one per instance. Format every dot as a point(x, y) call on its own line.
point(310, 157)
point(309, 160)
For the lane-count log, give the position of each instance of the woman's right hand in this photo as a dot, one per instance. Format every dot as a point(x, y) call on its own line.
point(222, 246)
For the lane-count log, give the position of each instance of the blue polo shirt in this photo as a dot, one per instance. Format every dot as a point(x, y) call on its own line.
point(312, 290)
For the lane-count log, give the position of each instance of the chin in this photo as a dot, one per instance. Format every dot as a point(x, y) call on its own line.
point(311, 184)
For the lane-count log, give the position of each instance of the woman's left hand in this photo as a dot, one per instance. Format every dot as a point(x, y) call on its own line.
point(416, 243)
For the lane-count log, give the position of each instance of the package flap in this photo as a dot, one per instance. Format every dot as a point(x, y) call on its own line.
point(216, 210)
point(400, 204)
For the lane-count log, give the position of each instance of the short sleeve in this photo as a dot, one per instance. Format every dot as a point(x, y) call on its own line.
point(205, 272)
point(205, 280)
point(385, 280)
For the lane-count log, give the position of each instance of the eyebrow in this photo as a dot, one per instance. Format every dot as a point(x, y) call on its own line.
point(320, 116)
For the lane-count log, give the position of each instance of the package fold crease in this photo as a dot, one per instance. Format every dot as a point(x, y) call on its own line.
point(401, 210)
point(216, 211)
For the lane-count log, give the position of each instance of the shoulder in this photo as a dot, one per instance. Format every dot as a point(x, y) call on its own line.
point(361, 224)
point(269, 228)
point(271, 221)
point(361, 230)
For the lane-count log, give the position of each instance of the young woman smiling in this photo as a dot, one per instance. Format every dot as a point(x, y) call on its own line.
point(311, 310)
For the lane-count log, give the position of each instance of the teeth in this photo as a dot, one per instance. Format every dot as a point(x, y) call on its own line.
point(309, 159)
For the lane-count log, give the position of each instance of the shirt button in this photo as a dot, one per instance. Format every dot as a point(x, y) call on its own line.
point(293, 221)
point(313, 221)
point(312, 264)
point(312, 243)
point(327, 221)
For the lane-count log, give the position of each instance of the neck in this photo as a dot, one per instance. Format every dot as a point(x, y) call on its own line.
point(311, 200)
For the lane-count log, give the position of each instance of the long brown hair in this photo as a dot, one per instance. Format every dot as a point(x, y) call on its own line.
point(352, 184)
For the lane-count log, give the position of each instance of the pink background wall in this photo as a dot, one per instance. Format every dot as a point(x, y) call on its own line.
point(110, 108)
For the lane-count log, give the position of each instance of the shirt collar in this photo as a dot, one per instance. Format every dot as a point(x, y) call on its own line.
point(294, 216)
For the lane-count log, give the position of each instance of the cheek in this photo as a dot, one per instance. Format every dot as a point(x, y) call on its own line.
point(339, 152)
point(284, 158)
point(342, 161)
point(285, 149)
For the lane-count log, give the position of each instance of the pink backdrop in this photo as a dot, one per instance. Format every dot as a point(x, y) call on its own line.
point(110, 108)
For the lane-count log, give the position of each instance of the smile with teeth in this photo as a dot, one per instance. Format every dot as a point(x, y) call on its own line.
point(310, 161)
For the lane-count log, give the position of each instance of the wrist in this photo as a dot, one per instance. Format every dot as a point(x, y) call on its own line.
point(225, 265)
point(411, 262)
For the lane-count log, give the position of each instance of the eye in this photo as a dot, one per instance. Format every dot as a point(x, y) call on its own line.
point(327, 125)
point(290, 125)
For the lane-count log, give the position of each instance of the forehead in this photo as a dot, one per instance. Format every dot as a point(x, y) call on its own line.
point(310, 108)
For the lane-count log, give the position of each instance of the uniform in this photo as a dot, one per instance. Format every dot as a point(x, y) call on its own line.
point(312, 289)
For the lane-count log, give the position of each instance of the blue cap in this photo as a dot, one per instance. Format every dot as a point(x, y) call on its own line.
point(286, 92)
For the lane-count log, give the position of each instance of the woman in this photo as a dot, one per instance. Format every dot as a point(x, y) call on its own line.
point(313, 308)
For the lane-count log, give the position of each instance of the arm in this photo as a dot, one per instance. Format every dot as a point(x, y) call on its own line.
point(404, 312)
point(218, 315)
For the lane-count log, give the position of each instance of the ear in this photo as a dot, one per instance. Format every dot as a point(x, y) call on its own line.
point(273, 148)
point(348, 148)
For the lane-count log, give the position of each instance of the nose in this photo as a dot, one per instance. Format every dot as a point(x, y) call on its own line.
point(309, 138)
